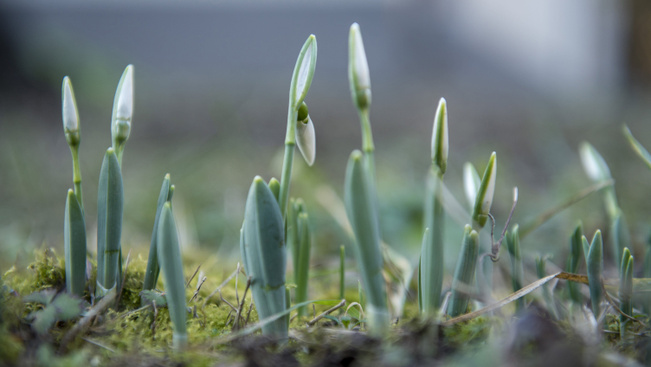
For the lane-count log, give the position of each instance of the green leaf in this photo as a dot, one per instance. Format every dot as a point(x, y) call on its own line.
point(151, 296)
point(595, 263)
point(58, 307)
point(153, 267)
point(169, 255)
point(637, 147)
point(484, 198)
point(110, 200)
point(362, 215)
point(263, 250)
point(74, 239)
point(464, 274)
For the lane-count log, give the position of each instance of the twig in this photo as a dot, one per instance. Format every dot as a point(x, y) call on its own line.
point(205, 301)
point(248, 314)
point(85, 321)
point(98, 344)
point(124, 279)
point(199, 284)
point(225, 301)
point(136, 310)
point(239, 309)
point(612, 302)
point(192, 277)
point(327, 312)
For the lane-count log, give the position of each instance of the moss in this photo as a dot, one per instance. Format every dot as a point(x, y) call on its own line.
point(467, 332)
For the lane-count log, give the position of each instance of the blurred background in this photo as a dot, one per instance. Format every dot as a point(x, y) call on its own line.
point(530, 80)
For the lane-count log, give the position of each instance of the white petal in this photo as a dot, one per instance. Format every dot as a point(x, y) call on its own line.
point(124, 104)
point(361, 73)
point(306, 140)
point(471, 182)
point(593, 163)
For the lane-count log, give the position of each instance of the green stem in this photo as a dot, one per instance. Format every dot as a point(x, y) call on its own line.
point(288, 161)
point(76, 175)
point(367, 139)
point(290, 143)
point(342, 260)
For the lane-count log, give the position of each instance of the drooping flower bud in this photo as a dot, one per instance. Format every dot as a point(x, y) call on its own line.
point(305, 136)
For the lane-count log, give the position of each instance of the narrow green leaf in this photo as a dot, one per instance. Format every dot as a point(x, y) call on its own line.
point(109, 223)
point(74, 239)
point(484, 198)
point(169, 255)
point(464, 275)
point(342, 271)
point(517, 270)
point(303, 262)
point(573, 262)
point(595, 262)
point(362, 215)
point(547, 294)
point(153, 267)
point(637, 147)
point(432, 250)
point(264, 252)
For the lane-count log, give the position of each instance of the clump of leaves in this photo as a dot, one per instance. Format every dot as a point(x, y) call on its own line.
point(57, 307)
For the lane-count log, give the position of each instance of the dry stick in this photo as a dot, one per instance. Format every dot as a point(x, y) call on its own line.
point(514, 296)
point(327, 312)
point(124, 279)
point(248, 314)
point(547, 215)
point(220, 287)
point(85, 321)
point(241, 307)
point(192, 277)
point(98, 344)
point(225, 301)
point(612, 302)
point(196, 292)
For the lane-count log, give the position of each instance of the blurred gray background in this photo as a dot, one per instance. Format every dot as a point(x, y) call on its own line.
point(529, 80)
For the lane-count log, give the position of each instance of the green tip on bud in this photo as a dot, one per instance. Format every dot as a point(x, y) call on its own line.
point(69, 112)
point(274, 186)
point(305, 135)
point(593, 163)
point(484, 198)
point(123, 107)
point(440, 140)
point(358, 73)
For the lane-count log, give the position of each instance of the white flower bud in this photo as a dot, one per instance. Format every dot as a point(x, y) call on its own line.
point(593, 163)
point(69, 107)
point(358, 73)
